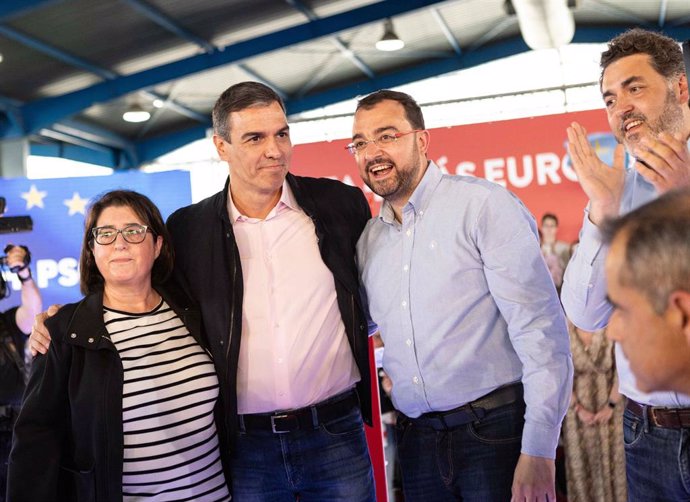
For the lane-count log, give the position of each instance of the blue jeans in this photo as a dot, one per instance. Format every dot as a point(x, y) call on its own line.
point(472, 462)
point(330, 463)
point(657, 461)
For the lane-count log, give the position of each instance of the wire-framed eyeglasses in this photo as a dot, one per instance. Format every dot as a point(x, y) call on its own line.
point(385, 139)
point(133, 233)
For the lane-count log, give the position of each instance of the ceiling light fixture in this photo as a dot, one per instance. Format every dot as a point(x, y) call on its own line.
point(136, 113)
point(390, 40)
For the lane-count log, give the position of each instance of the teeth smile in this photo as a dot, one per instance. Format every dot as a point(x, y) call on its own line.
point(632, 124)
point(380, 167)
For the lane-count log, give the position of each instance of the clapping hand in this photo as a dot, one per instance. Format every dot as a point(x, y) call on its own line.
point(664, 161)
point(602, 183)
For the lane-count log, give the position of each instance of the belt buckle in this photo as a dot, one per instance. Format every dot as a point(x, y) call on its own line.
point(652, 415)
point(273, 423)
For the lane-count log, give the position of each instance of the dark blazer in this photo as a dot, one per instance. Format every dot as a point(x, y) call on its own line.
point(207, 265)
point(68, 439)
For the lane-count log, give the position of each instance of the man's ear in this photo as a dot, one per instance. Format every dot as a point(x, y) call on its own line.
point(221, 146)
point(683, 89)
point(680, 301)
point(424, 138)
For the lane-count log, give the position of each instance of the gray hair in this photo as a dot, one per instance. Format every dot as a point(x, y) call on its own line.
point(657, 249)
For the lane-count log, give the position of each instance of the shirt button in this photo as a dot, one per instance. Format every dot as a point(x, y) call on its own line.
point(415, 380)
point(421, 213)
point(280, 360)
point(404, 304)
point(408, 233)
point(73, 335)
point(90, 340)
point(406, 268)
point(409, 343)
point(590, 286)
point(222, 342)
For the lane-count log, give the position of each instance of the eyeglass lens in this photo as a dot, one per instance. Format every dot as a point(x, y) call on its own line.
point(134, 234)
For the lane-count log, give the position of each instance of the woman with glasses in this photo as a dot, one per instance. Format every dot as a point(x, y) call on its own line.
point(122, 406)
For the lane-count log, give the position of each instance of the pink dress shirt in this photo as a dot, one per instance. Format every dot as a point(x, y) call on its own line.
point(294, 350)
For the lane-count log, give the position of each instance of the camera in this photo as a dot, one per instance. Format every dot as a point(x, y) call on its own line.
point(12, 225)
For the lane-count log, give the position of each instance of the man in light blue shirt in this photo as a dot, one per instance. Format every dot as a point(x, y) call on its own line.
point(475, 340)
point(645, 91)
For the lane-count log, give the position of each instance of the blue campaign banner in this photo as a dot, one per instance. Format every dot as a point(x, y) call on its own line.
point(57, 208)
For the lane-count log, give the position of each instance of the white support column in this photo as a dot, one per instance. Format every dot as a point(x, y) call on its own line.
point(13, 155)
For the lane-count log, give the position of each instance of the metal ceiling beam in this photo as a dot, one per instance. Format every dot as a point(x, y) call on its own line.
point(618, 13)
point(94, 134)
point(167, 23)
point(663, 7)
point(44, 112)
point(111, 159)
point(337, 41)
point(14, 8)
point(172, 26)
point(438, 17)
point(149, 150)
point(54, 52)
point(77, 62)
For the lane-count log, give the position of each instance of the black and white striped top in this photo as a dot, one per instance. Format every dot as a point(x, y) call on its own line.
point(171, 449)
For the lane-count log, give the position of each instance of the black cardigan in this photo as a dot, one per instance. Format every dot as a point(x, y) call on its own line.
point(207, 266)
point(68, 439)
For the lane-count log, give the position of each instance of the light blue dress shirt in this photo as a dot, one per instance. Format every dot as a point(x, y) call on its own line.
point(584, 290)
point(465, 304)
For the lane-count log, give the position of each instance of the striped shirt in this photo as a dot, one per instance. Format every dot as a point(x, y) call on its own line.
point(170, 388)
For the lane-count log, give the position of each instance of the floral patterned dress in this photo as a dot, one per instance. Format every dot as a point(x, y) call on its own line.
point(594, 455)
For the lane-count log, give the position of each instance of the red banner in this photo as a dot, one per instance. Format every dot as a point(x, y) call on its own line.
point(527, 156)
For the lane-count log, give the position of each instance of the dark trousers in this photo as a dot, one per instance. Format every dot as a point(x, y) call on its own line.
point(657, 461)
point(5, 445)
point(474, 462)
point(330, 463)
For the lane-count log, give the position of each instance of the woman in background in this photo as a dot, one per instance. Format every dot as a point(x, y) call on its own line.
point(593, 426)
point(122, 406)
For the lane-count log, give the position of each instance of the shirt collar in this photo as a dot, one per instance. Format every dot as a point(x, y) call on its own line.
point(421, 197)
point(286, 202)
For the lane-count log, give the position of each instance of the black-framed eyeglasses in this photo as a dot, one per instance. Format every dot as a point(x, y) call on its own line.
point(385, 139)
point(133, 233)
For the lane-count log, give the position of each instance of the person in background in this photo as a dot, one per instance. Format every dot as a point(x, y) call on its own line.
point(556, 253)
point(475, 339)
point(593, 429)
point(123, 405)
point(15, 325)
point(645, 91)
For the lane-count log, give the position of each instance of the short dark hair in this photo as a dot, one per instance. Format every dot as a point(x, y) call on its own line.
point(550, 216)
point(664, 52)
point(91, 280)
point(413, 113)
point(239, 97)
point(657, 247)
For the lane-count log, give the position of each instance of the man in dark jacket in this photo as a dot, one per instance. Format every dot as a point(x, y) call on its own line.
point(270, 260)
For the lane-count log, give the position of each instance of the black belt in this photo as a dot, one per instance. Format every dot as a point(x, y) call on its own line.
point(470, 412)
point(671, 418)
point(306, 418)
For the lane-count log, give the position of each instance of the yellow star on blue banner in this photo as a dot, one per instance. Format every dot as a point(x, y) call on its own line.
point(34, 197)
point(76, 204)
